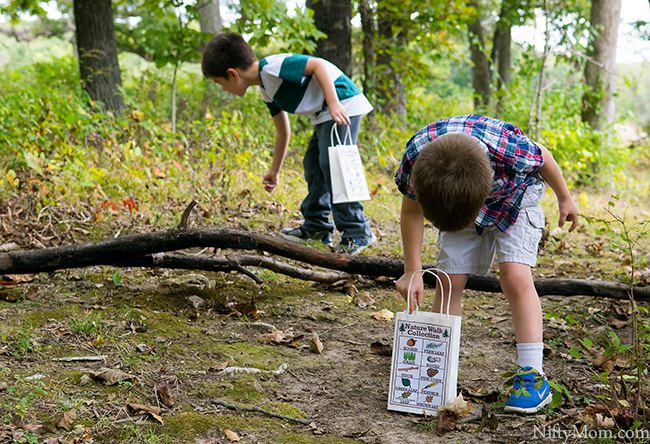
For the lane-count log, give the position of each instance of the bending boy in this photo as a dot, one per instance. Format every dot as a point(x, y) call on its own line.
point(305, 85)
point(479, 180)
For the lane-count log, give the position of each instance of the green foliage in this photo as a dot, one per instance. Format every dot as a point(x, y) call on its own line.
point(19, 395)
point(90, 322)
point(265, 20)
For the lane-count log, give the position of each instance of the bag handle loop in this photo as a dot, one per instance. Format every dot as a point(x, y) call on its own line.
point(442, 295)
point(348, 135)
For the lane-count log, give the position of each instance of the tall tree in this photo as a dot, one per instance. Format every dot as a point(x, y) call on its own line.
point(368, 29)
point(600, 69)
point(393, 36)
point(209, 16)
point(501, 47)
point(481, 77)
point(210, 23)
point(333, 18)
point(100, 70)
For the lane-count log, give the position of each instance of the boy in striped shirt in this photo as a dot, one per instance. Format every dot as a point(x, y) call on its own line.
point(479, 180)
point(304, 85)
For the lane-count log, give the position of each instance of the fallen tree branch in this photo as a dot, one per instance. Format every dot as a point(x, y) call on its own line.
point(266, 412)
point(115, 251)
point(232, 263)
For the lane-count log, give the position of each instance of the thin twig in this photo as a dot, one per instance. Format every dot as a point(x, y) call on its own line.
point(336, 328)
point(266, 412)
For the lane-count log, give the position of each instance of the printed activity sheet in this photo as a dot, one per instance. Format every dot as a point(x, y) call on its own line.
point(420, 358)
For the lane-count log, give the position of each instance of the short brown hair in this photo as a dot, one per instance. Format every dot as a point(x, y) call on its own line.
point(452, 178)
point(226, 50)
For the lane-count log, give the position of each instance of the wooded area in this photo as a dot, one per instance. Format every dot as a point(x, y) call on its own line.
point(116, 328)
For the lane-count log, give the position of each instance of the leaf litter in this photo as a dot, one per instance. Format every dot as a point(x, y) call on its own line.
point(342, 389)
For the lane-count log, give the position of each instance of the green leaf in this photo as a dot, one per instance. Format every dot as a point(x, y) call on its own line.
point(116, 279)
point(557, 400)
point(573, 351)
point(587, 342)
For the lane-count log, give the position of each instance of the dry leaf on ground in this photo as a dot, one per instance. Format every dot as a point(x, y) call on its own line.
point(11, 280)
point(364, 300)
point(232, 436)
point(449, 413)
point(383, 315)
point(68, 420)
point(137, 409)
point(111, 376)
point(606, 363)
point(277, 337)
point(316, 346)
point(164, 394)
point(380, 349)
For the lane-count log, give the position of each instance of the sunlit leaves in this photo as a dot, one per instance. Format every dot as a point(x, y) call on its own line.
point(268, 20)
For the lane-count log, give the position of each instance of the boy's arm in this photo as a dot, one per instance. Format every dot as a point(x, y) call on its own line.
point(282, 136)
point(412, 228)
point(317, 68)
point(551, 173)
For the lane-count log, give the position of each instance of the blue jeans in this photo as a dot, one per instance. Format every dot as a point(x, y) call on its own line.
point(348, 217)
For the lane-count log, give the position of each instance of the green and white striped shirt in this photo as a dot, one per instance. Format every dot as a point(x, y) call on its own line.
point(285, 87)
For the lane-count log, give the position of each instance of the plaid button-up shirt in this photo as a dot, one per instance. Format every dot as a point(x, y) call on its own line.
point(515, 160)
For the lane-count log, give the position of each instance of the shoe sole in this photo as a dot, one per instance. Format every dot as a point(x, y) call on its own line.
point(528, 411)
point(299, 240)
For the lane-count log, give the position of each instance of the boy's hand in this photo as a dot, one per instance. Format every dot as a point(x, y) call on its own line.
point(339, 114)
point(417, 289)
point(270, 181)
point(568, 213)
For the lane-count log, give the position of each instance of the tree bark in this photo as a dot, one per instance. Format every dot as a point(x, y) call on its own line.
point(144, 250)
point(333, 18)
point(209, 16)
point(600, 69)
point(481, 78)
point(369, 81)
point(501, 50)
point(393, 36)
point(99, 67)
point(210, 22)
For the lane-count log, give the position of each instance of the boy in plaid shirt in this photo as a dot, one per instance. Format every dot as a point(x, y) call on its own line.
point(479, 180)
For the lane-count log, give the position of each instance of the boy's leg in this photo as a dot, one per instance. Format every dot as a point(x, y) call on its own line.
point(316, 207)
point(517, 253)
point(349, 217)
point(458, 282)
point(518, 287)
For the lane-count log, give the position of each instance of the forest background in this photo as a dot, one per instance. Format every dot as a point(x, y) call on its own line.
point(108, 128)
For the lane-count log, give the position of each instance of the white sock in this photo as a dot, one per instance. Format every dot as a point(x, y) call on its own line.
point(531, 354)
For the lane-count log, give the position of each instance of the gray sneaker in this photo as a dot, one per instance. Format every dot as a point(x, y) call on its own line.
point(301, 236)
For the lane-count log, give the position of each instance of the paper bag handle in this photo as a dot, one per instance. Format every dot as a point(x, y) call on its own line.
point(442, 295)
point(338, 139)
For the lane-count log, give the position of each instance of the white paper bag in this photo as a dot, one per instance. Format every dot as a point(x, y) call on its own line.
point(424, 369)
point(346, 170)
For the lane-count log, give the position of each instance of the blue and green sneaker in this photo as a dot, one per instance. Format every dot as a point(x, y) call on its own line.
point(531, 392)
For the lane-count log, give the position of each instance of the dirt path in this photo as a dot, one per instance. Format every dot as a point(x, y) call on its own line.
point(183, 329)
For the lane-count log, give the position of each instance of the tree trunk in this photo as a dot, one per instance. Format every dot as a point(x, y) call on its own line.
point(542, 73)
point(211, 23)
point(100, 70)
point(209, 16)
point(481, 78)
point(600, 69)
point(333, 18)
point(393, 37)
point(501, 50)
point(369, 81)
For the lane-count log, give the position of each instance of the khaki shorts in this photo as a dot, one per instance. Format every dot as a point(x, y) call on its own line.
point(465, 252)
